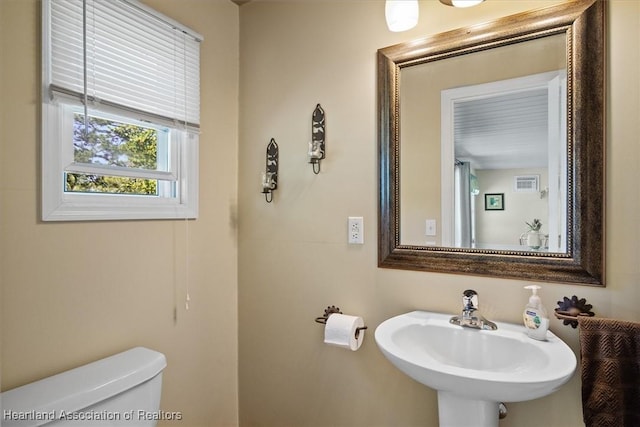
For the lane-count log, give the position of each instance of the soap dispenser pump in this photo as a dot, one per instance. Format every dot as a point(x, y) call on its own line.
point(535, 317)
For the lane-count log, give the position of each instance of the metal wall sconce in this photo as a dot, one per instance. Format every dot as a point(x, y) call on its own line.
point(316, 146)
point(270, 175)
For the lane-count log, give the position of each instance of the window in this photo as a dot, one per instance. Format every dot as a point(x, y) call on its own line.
point(120, 112)
point(109, 143)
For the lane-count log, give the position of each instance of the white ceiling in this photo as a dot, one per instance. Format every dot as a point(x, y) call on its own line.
point(504, 131)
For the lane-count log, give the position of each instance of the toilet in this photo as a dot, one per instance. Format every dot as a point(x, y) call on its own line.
point(120, 390)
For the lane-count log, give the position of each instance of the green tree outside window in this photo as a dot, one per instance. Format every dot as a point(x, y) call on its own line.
point(112, 143)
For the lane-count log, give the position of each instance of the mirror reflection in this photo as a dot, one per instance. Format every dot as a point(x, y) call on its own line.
point(423, 223)
point(483, 151)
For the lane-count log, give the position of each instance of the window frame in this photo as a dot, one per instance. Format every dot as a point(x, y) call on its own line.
point(57, 159)
point(166, 144)
point(59, 205)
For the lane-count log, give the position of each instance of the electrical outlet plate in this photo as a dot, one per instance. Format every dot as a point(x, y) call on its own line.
point(356, 230)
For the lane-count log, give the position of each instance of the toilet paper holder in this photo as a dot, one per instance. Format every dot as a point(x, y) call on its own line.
point(331, 310)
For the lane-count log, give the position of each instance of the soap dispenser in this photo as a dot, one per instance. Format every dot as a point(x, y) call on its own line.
point(536, 320)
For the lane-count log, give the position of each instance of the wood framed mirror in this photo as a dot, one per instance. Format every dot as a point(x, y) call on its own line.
point(571, 38)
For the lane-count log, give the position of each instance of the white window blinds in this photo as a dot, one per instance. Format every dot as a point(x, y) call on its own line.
point(136, 58)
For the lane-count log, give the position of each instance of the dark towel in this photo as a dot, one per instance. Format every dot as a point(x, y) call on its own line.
point(610, 353)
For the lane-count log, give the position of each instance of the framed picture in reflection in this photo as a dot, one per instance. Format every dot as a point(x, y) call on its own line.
point(494, 201)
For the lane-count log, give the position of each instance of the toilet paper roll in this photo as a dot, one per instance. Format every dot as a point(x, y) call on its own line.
point(340, 331)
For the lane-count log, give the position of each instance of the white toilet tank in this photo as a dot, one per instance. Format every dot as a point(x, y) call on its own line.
point(120, 390)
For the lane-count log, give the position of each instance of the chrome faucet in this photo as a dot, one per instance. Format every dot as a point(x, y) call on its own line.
point(470, 316)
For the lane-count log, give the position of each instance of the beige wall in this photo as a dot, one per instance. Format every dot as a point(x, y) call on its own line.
point(505, 227)
point(76, 292)
point(293, 255)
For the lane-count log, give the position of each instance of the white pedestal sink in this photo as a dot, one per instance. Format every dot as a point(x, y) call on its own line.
point(474, 370)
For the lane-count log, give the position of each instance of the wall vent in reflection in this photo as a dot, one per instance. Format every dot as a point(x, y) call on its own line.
point(526, 183)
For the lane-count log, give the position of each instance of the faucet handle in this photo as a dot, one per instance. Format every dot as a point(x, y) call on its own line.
point(470, 299)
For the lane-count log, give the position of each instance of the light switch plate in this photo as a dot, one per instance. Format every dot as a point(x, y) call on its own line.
point(430, 227)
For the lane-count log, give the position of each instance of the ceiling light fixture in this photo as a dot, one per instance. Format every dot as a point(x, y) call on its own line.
point(461, 3)
point(401, 15)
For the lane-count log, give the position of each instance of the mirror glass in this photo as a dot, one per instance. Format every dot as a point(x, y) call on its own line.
point(475, 132)
point(491, 148)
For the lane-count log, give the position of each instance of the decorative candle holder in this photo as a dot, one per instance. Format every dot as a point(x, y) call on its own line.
point(317, 146)
point(270, 176)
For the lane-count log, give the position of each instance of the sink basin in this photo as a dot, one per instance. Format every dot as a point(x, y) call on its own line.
point(474, 370)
